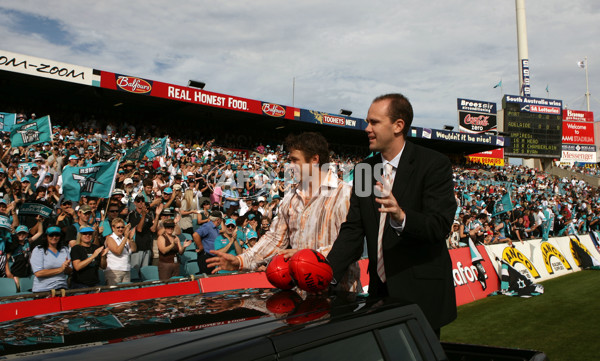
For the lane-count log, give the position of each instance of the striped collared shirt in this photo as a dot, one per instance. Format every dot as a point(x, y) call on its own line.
point(306, 222)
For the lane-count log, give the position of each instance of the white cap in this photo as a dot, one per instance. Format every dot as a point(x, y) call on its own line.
point(262, 199)
point(128, 181)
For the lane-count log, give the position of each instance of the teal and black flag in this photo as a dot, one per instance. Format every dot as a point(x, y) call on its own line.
point(516, 284)
point(476, 260)
point(95, 180)
point(157, 148)
point(105, 151)
point(503, 205)
point(31, 132)
point(137, 153)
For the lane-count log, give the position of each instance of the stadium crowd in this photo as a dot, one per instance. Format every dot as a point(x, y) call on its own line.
point(198, 196)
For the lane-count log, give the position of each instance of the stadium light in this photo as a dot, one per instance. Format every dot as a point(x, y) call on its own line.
point(196, 84)
point(346, 112)
point(448, 127)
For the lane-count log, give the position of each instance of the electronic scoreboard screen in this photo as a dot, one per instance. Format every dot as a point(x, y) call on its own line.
point(534, 126)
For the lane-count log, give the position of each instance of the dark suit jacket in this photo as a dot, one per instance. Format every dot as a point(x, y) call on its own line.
point(417, 263)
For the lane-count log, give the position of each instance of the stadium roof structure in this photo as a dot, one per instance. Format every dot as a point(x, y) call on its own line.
point(53, 84)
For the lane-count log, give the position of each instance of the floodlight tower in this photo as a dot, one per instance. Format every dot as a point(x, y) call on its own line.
point(524, 84)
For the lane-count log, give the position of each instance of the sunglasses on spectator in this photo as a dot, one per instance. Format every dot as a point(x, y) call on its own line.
point(113, 210)
point(230, 226)
point(54, 235)
point(120, 227)
point(87, 233)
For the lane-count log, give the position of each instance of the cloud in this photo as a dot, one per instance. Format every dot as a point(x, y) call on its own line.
point(341, 54)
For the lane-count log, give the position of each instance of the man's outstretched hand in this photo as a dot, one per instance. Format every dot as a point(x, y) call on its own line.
point(223, 261)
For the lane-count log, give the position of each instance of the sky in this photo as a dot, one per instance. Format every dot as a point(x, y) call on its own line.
point(341, 54)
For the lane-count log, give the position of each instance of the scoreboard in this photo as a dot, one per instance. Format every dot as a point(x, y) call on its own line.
point(534, 126)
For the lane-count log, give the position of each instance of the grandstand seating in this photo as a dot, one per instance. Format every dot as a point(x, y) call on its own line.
point(191, 268)
point(8, 287)
point(149, 273)
point(26, 283)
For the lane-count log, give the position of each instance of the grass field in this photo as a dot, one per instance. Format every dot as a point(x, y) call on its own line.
point(564, 322)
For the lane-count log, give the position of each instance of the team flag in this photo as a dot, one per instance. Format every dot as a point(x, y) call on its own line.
point(7, 120)
point(516, 284)
point(95, 180)
point(476, 260)
point(31, 132)
point(499, 84)
point(105, 151)
point(503, 205)
point(137, 153)
point(157, 148)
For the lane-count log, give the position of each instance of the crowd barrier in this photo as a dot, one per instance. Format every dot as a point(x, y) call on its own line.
point(537, 260)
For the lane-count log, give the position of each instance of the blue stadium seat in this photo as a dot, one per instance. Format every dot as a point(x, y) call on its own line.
point(149, 273)
point(101, 277)
point(135, 274)
point(189, 256)
point(191, 268)
point(26, 283)
point(8, 287)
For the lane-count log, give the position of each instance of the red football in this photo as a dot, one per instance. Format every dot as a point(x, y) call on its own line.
point(278, 273)
point(310, 270)
point(283, 302)
point(309, 310)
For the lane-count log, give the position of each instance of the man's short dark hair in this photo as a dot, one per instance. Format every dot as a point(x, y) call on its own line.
point(399, 108)
point(310, 144)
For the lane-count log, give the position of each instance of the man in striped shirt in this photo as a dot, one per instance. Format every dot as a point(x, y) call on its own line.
point(310, 215)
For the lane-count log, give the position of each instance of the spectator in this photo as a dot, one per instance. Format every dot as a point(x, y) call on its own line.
point(228, 241)
point(189, 212)
point(120, 246)
point(87, 258)
point(143, 221)
point(50, 263)
point(169, 249)
point(205, 237)
point(19, 252)
point(84, 215)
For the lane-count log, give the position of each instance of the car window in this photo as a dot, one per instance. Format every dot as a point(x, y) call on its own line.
point(399, 343)
point(361, 347)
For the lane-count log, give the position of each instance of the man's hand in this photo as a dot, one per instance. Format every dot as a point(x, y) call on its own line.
point(223, 261)
point(389, 204)
point(288, 253)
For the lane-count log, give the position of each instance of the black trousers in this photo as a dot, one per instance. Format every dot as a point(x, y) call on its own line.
point(202, 257)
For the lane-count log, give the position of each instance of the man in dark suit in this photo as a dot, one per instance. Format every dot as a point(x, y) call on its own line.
point(409, 260)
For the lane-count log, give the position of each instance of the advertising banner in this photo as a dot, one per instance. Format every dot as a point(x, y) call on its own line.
point(315, 117)
point(581, 157)
point(578, 133)
point(578, 115)
point(492, 157)
point(535, 105)
point(476, 116)
point(465, 274)
point(437, 134)
point(158, 89)
point(538, 260)
point(30, 65)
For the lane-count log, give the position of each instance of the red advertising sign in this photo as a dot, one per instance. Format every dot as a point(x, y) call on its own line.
point(192, 95)
point(578, 115)
point(490, 157)
point(467, 286)
point(578, 133)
